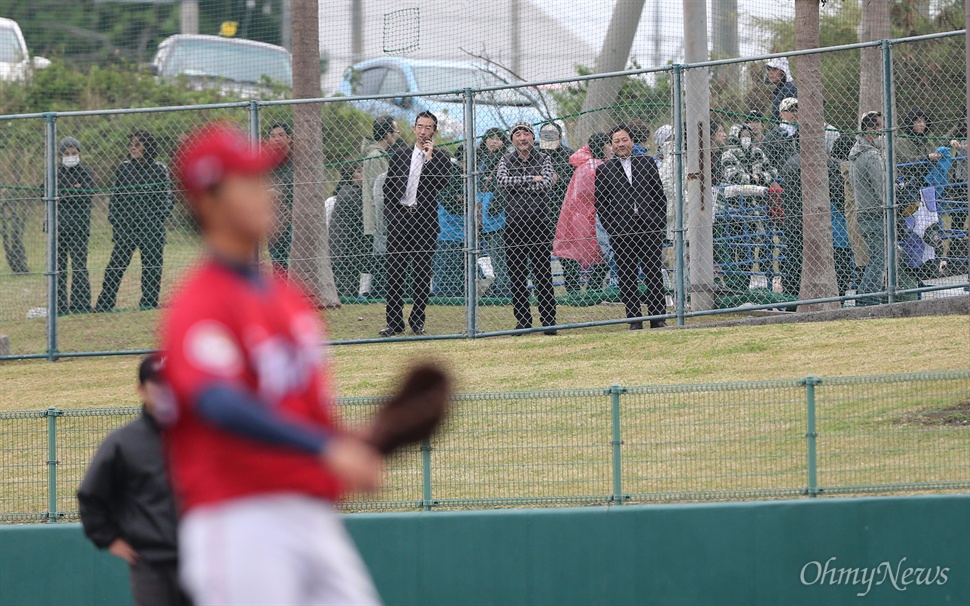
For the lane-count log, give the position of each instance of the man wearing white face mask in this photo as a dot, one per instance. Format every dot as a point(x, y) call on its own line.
point(868, 175)
point(75, 189)
point(744, 163)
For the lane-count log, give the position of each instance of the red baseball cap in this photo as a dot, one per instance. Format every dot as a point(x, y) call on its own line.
point(213, 151)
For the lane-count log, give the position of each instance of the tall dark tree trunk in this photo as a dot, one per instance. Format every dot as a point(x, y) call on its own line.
point(818, 265)
point(875, 25)
point(310, 251)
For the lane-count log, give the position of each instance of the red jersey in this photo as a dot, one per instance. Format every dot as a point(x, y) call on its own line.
point(256, 333)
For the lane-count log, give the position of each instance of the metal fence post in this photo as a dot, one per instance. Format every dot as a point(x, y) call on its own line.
point(426, 502)
point(679, 265)
point(811, 434)
point(52, 462)
point(615, 392)
point(471, 218)
point(254, 122)
point(890, 214)
point(50, 202)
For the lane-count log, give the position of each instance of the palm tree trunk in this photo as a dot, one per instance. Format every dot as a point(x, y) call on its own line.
point(818, 265)
point(875, 25)
point(310, 251)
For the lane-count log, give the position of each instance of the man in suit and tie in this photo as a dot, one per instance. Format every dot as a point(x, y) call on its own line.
point(632, 207)
point(414, 177)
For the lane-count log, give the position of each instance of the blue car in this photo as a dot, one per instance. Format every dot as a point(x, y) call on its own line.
point(414, 79)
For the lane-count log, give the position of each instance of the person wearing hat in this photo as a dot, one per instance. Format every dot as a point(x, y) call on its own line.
point(125, 499)
point(781, 142)
point(75, 190)
point(756, 122)
point(551, 144)
point(778, 74)
point(254, 450)
point(141, 202)
point(526, 177)
point(281, 135)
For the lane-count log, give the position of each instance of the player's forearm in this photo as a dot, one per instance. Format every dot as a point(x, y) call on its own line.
point(238, 411)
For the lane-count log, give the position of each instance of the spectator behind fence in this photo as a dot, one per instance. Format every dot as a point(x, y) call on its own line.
point(630, 203)
point(75, 190)
point(526, 177)
point(491, 150)
point(385, 140)
point(350, 249)
point(868, 174)
point(415, 176)
point(281, 136)
point(743, 162)
point(719, 139)
point(778, 74)
point(141, 202)
point(449, 257)
point(958, 175)
point(575, 243)
point(641, 137)
point(793, 220)
point(756, 122)
point(781, 142)
point(125, 500)
point(664, 139)
point(551, 144)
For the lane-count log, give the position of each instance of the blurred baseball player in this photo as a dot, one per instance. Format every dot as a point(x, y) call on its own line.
point(255, 455)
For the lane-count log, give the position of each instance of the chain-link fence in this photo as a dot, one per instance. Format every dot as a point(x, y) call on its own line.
point(768, 439)
point(724, 191)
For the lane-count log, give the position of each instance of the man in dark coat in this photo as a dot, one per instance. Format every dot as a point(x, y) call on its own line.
point(632, 207)
point(415, 176)
point(75, 189)
point(281, 136)
point(141, 201)
point(126, 502)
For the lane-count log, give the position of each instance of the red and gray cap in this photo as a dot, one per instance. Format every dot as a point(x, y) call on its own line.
point(211, 152)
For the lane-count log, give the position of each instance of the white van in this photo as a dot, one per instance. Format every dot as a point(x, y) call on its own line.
point(15, 61)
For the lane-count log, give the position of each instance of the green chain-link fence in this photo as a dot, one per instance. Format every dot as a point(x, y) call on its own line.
point(769, 439)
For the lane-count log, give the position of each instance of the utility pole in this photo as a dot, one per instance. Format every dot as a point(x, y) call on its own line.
point(189, 17)
point(601, 94)
point(699, 203)
point(724, 13)
point(357, 31)
point(286, 24)
point(658, 58)
point(515, 31)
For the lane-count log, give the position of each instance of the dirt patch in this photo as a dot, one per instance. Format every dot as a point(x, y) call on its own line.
point(956, 415)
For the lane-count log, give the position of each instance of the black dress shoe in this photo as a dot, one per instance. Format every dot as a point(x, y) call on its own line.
point(417, 329)
point(636, 325)
point(387, 331)
point(658, 324)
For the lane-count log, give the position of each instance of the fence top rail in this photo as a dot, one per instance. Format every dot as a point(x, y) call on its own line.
point(513, 85)
point(602, 392)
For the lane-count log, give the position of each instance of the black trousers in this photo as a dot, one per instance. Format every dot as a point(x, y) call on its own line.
point(530, 240)
point(72, 246)
point(410, 244)
point(633, 252)
point(156, 584)
point(151, 245)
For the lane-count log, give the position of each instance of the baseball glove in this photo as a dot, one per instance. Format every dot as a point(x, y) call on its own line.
point(415, 412)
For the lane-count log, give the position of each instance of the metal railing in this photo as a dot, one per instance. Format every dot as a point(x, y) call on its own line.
point(755, 440)
point(41, 323)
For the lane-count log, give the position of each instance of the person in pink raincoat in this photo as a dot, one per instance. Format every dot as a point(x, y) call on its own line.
point(575, 241)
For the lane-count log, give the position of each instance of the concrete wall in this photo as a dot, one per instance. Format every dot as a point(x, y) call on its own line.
point(914, 550)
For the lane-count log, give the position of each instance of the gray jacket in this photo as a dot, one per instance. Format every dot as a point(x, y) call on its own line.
point(867, 171)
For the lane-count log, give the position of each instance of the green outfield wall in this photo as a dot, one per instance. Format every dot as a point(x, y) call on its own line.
point(885, 551)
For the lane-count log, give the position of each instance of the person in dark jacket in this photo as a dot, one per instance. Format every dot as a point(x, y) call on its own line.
point(778, 74)
point(126, 502)
point(415, 176)
point(75, 189)
point(281, 135)
point(551, 144)
point(350, 249)
point(141, 202)
point(632, 207)
point(526, 177)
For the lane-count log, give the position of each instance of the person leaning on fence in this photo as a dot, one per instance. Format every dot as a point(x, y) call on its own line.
point(781, 142)
point(778, 74)
point(75, 190)
point(414, 178)
point(385, 140)
point(281, 136)
point(141, 202)
point(525, 175)
point(868, 175)
point(631, 204)
point(125, 500)
point(350, 249)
